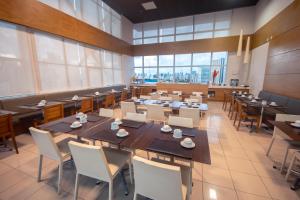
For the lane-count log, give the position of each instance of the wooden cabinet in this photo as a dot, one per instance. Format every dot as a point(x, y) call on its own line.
point(217, 93)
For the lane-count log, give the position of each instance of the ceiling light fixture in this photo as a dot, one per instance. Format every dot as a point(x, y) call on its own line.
point(149, 5)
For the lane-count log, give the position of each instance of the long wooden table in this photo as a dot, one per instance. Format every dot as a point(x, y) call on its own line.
point(138, 138)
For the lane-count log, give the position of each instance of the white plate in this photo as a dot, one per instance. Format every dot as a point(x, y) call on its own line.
point(120, 122)
point(122, 134)
point(166, 130)
point(295, 125)
point(76, 126)
point(182, 143)
point(273, 105)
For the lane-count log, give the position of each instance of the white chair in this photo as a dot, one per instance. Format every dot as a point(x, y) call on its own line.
point(175, 97)
point(189, 100)
point(98, 162)
point(127, 107)
point(136, 117)
point(155, 113)
point(197, 93)
point(181, 121)
point(196, 97)
point(164, 98)
point(162, 91)
point(160, 181)
point(155, 96)
point(145, 97)
point(48, 148)
point(295, 158)
point(278, 132)
point(177, 92)
point(105, 112)
point(193, 113)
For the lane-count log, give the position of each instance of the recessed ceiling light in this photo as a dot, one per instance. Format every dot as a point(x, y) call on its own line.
point(149, 5)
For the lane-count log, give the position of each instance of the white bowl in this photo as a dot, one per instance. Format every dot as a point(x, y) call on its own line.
point(189, 146)
point(122, 133)
point(166, 130)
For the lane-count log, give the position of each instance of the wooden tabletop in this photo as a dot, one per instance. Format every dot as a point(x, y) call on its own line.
point(6, 112)
point(292, 132)
point(36, 107)
point(139, 138)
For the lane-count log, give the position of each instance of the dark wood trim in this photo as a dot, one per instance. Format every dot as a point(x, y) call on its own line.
point(204, 45)
point(39, 16)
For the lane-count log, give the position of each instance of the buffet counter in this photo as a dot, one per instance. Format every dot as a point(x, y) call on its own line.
point(216, 92)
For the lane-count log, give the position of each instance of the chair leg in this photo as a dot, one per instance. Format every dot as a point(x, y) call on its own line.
point(130, 170)
point(284, 159)
point(60, 173)
point(110, 194)
point(15, 143)
point(135, 196)
point(290, 167)
point(235, 117)
point(239, 124)
point(76, 186)
point(40, 168)
point(270, 145)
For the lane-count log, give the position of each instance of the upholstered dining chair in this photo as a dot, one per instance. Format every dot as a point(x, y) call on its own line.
point(87, 105)
point(199, 98)
point(106, 112)
point(145, 97)
point(160, 181)
point(155, 113)
point(244, 113)
point(193, 113)
point(49, 148)
point(278, 133)
point(7, 130)
point(124, 95)
point(109, 101)
point(155, 96)
point(177, 92)
point(166, 98)
point(127, 107)
point(175, 97)
point(180, 121)
point(136, 117)
point(98, 162)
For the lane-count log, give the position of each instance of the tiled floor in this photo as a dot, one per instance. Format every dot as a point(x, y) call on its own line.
point(239, 170)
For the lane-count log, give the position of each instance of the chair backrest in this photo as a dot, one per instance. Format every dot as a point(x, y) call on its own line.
point(45, 143)
point(109, 100)
point(145, 97)
point(127, 107)
point(90, 161)
point(136, 117)
point(105, 112)
point(155, 96)
point(124, 95)
point(189, 100)
point(181, 121)
point(87, 105)
point(175, 97)
point(287, 117)
point(53, 112)
point(197, 93)
point(164, 98)
point(199, 98)
point(193, 113)
point(155, 112)
point(156, 180)
point(162, 91)
point(177, 92)
point(6, 127)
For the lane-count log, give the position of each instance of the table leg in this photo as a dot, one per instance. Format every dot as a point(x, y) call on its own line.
point(261, 116)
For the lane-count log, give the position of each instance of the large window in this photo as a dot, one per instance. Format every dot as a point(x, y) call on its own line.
point(195, 27)
point(35, 62)
point(93, 12)
point(184, 68)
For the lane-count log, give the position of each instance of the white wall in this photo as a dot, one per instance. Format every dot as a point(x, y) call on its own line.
point(242, 18)
point(237, 69)
point(258, 68)
point(267, 9)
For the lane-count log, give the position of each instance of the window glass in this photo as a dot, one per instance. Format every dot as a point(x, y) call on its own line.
point(138, 61)
point(95, 77)
point(137, 31)
point(219, 58)
point(166, 74)
point(166, 60)
point(92, 57)
point(116, 26)
point(167, 27)
point(166, 39)
point(184, 25)
point(9, 41)
point(201, 59)
point(74, 53)
point(138, 73)
point(108, 77)
point(150, 40)
point(203, 35)
point(90, 12)
point(221, 33)
point(71, 7)
point(223, 20)
point(204, 22)
point(77, 77)
point(150, 74)
point(138, 41)
point(184, 37)
point(200, 74)
point(150, 61)
point(150, 29)
point(183, 59)
point(183, 74)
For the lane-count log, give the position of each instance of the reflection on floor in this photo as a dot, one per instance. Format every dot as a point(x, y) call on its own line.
point(239, 169)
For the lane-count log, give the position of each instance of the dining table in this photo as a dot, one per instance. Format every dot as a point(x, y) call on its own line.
point(35, 106)
point(7, 112)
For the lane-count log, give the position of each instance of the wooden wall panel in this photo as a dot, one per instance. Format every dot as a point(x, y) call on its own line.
point(284, 21)
point(36, 15)
point(204, 45)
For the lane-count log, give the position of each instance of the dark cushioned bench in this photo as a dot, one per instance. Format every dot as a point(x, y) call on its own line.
point(291, 105)
point(26, 116)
